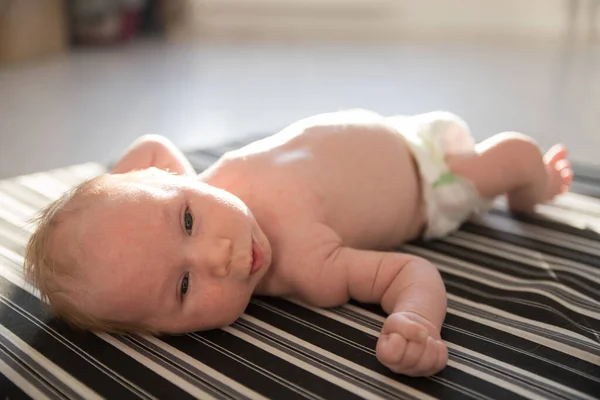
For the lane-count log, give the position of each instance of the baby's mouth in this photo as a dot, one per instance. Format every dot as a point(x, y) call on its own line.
point(258, 257)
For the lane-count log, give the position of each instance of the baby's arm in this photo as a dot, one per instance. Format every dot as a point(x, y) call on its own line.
point(154, 151)
point(512, 164)
point(412, 292)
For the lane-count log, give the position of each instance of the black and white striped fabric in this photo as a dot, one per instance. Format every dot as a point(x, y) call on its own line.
point(523, 320)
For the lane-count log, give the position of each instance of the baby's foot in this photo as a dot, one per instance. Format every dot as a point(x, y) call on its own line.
point(559, 171)
point(410, 345)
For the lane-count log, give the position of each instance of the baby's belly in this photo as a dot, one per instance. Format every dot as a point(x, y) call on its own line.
point(358, 178)
point(371, 190)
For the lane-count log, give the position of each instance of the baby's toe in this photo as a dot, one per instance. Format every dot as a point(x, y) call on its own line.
point(567, 178)
point(563, 164)
point(556, 153)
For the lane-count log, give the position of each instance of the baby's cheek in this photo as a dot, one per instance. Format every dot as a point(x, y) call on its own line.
point(229, 303)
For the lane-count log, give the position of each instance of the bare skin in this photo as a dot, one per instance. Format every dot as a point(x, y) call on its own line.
point(328, 195)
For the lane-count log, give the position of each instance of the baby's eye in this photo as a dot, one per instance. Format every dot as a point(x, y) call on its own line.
point(188, 221)
point(185, 282)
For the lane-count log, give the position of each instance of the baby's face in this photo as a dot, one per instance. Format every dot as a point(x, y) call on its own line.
point(170, 252)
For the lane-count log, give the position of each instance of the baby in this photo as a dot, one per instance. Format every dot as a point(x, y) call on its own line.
point(309, 213)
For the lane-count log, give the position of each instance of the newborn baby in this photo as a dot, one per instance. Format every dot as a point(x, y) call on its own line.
point(311, 213)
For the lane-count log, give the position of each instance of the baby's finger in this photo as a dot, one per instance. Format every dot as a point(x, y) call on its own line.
point(413, 355)
point(428, 361)
point(390, 349)
point(411, 330)
point(442, 355)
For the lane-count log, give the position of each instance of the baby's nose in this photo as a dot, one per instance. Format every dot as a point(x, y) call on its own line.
point(219, 257)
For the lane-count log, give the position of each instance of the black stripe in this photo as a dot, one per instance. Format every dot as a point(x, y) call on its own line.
point(209, 348)
point(486, 332)
point(315, 359)
point(486, 340)
point(234, 357)
point(10, 391)
point(26, 362)
point(527, 305)
point(66, 358)
point(530, 327)
point(533, 244)
point(490, 262)
point(541, 221)
point(480, 338)
point(534, 301)
point(32, 377)
point(368, 360)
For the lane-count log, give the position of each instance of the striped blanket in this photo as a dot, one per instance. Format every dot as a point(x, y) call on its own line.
point(523, 320)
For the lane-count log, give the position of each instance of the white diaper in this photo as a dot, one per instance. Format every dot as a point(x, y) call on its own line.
point(449, 199)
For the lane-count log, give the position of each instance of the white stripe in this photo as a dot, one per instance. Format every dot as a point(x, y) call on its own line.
point(559, 346)
point(49, 366)
point(541, 339)
point(18, 222)
point(78, 173)
point(568, 217)
point(545, 341)
point(520, 390)
point(516, 371)
point(110, 373)
point(8, 202)
point(534, 257)
point(45, 184)
point(206, 369)
point(578, 204)
point(490, 282)
point(577, 201)
point(15, 276)
point(329, 314)
point(160, 370)
point(309, 325)
point(17, 279)
point(526, 230)
point(13, 234)
point(537, 261)
point(456, 364)
point(488, 360)
point(317, 371)
point(257, 367)
point(21, 382)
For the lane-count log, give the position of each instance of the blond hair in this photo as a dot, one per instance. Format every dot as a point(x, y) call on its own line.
point(41, 269)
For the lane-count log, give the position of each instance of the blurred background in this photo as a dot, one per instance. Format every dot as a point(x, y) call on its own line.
point(81, 79)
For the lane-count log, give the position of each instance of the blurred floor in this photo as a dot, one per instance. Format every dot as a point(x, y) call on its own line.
point(92, 104)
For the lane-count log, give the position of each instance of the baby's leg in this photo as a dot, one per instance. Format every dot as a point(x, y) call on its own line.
point(512, 164)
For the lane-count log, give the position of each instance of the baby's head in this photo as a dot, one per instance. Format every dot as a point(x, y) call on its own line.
point(147, 252)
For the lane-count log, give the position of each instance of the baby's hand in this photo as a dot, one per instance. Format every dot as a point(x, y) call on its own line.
point(410, 345)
